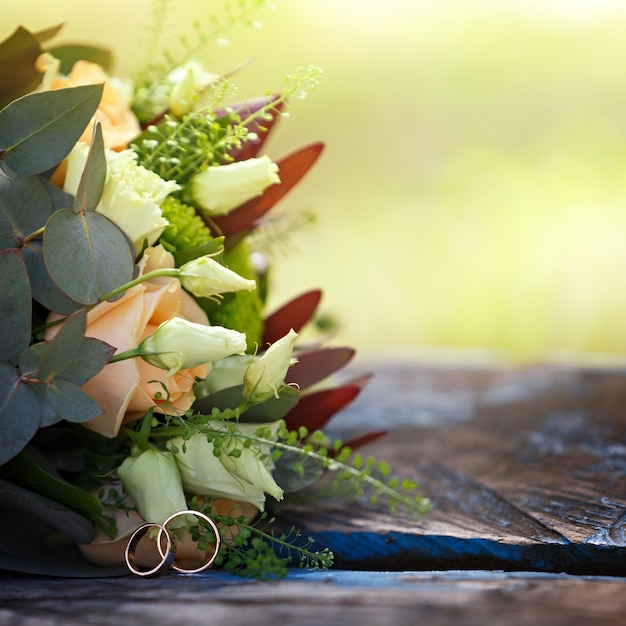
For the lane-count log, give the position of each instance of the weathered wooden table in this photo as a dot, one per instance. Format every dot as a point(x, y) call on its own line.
point(526, 468)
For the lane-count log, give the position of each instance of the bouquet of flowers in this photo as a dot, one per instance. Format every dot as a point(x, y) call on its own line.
point(144, 390)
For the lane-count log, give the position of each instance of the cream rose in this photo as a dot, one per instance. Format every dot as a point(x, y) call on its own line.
point(127, 389)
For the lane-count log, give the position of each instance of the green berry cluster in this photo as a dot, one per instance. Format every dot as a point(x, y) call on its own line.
point(186, 229)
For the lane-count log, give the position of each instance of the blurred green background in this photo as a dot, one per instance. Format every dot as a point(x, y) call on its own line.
point(473, 189)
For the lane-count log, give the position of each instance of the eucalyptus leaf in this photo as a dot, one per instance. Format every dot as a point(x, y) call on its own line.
point(24, 470)
point(94, 354)
point(93, 177)
point(71, 403)
point(45, 290)
point(25, 207)
point(38, 130)
point(63, 349)
point(15, 306)
point(20, 413)
point(86, 254)
point(59, 199)
point(18, 73)
point(68, 54)
point(31, 358)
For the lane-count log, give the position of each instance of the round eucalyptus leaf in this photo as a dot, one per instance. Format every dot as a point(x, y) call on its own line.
point(71, 403)
point(20, 413)
point(45, 290)
point(86, 255)
point(63, 349)
point(15, 305)
point(38, 130)
point(25, 207)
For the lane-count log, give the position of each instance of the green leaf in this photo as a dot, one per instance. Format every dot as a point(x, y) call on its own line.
point(63, 349)
point(38, 130)
point(68, 54)
point(211, 247)
point(94, 354)
point(20, 413)
point(18, 54)
point(268, 411)
point(15, 305)
point(295, 471)
point(23, 470)
point(71, 403)
point(86, 254)
point(93, 177)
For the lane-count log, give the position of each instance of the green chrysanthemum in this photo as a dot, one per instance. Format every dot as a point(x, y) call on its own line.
point(186, 230)
point(243, 310)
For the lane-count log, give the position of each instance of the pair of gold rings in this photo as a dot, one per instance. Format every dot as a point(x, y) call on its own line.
point(167, 547)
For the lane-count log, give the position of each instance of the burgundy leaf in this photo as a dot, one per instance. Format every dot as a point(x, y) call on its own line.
point(316, 365)
point(259, 127)
point(290, 169)
point(295, 314)
point(315, 409)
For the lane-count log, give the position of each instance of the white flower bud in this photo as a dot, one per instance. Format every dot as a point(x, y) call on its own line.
point(154, 483)
point(186, 81)
point(178, 344)
point(205, 277)
point(221, 188)
point(267, 373)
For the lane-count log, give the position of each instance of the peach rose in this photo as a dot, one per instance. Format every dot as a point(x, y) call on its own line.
point(126, 390)
point(119, 124)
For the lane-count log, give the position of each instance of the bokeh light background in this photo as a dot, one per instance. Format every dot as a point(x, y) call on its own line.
point(473, 189)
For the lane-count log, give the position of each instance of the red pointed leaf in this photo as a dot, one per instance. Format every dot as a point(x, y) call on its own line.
point(315, 409)
point(316, 365)
point(295, 314)
point(363, 440)
point(290, 169)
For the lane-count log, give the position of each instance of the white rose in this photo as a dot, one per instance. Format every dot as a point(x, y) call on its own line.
point(243, 478)
point(221, 188)
point(132, 194)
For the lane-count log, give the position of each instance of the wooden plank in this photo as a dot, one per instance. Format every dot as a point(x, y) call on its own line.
point(318, 599)
point(526, 469)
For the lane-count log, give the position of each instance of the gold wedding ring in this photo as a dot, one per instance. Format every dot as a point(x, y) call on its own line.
point(214, 528)
point(167, 556)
